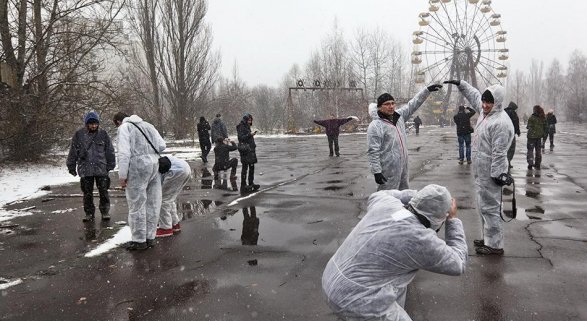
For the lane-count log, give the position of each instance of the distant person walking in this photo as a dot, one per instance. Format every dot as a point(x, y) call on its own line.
point(246, 148)
point(204, 138)
point(138, 170)
point(218, 129)
point(387, 139)
point(91, 150)
point(511, 111)
point(332, 126)
point(536, 130)
point(172, 183)
point(463, 121)
point(417, 124)
point(551, 129)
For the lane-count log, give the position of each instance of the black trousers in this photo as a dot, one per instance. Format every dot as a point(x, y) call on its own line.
point(205, 146)
point(87, 186)
point(232, 164)
point(333, 140)
point(250, 168)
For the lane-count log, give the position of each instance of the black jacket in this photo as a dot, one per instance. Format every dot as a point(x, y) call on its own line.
point(93, 153)
point(511, 111)
point(246, 143)
point(222, 155)
point(463, 121)
point(203, 128)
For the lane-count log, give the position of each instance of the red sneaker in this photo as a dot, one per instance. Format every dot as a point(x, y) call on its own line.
point(164, 232)
point(176, 228)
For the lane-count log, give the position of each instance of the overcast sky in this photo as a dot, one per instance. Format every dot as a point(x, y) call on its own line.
point(265, 37)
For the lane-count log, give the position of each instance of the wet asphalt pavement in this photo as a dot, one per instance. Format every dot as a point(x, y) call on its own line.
point(219, 268)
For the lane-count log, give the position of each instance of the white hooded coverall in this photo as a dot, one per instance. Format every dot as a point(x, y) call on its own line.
point(367, 277)
point(491, 140)
point(172, 184)
point(138, 163)
point(387, 144)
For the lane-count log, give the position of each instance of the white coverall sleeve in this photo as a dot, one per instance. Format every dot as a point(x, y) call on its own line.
point(160, 142)
point(501, 137)
point(124, 152)
point(407, 110)
point(446, 257)
point(472, 94)
point(374, 141)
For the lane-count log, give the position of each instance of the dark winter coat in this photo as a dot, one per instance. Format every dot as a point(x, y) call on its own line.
point(222, 155)
point(417, 121)
point(92, 152)
point(333, 125)
point(246, 143)
point(203, 128)
point(536, 127)
point(463, 121)
point(511, 111)
point(218, 130)
point(551, 123)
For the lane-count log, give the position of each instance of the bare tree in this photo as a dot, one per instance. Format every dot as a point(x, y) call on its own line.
point(536, 82)
point(187, 64)
point(576, 84)
point(517, 91)
point(554, 85)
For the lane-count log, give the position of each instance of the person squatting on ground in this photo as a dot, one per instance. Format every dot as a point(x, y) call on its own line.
point(368, 276)
point(218, 129)
point(493, 135)
point(511, 111)
point(204, 138)
point(172, 183)
point(246, 148)
point(551, 129)
point(332, 126)
point(463, 121)
point(222, 160)
point(387, 140)
point(92, 151)
point(417, 124)
point(138, 170)
point(536, 131)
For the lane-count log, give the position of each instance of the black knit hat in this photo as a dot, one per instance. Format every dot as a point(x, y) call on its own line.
point(383, 98)
point(487, 97)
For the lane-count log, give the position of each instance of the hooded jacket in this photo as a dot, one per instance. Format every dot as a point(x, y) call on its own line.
point(218, 129)
point(387, 143)
point(511, 111)
point(370, 271)
point(463, 121)
point(92, 152)
point(245, 137)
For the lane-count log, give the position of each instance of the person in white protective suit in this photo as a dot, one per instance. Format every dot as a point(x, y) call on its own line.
point(493, 135)
point(138, 171)
point(387, 140)
point(172, 183)
point(367, 277)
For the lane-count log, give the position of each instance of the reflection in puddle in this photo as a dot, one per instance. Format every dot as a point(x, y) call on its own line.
point(333, 188)
point(252, 228)
point(196, 208)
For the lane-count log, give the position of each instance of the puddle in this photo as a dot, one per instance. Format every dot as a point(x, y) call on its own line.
point(334, 182)
point(197, 208)
point(333, 188)
point(249, 226)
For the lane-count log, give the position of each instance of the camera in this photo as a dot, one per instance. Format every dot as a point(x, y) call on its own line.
point(503, 179)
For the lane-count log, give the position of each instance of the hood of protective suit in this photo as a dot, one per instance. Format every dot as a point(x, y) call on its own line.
point(132, 119)
point(433, 201)
point(373, 111)
point(498, 93)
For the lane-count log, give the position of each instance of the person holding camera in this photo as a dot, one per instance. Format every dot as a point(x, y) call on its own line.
point(368, 276)
point(493, 136)
point(246, 148)
point(92, 151)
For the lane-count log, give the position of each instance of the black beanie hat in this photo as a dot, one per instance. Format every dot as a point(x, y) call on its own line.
point(383, 98)
point(487, 97)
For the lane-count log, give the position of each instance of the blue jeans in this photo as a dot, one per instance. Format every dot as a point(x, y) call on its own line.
point(464, 141)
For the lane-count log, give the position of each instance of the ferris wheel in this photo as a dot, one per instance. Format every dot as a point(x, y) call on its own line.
point(460, 39)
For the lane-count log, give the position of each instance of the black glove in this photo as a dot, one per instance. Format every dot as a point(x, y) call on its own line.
point(434, 87)
point(73, 172)
point(380, 179)
point(503, 179)
point(453, 82)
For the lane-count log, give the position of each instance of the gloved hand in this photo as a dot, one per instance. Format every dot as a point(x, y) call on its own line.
point(452, 82)
point(380, 179)
point(503, 179)
point(73, 172)
point(434, 87)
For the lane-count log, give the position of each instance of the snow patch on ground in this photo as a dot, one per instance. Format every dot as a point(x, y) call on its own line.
point(121, 237)
point(5, 284)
